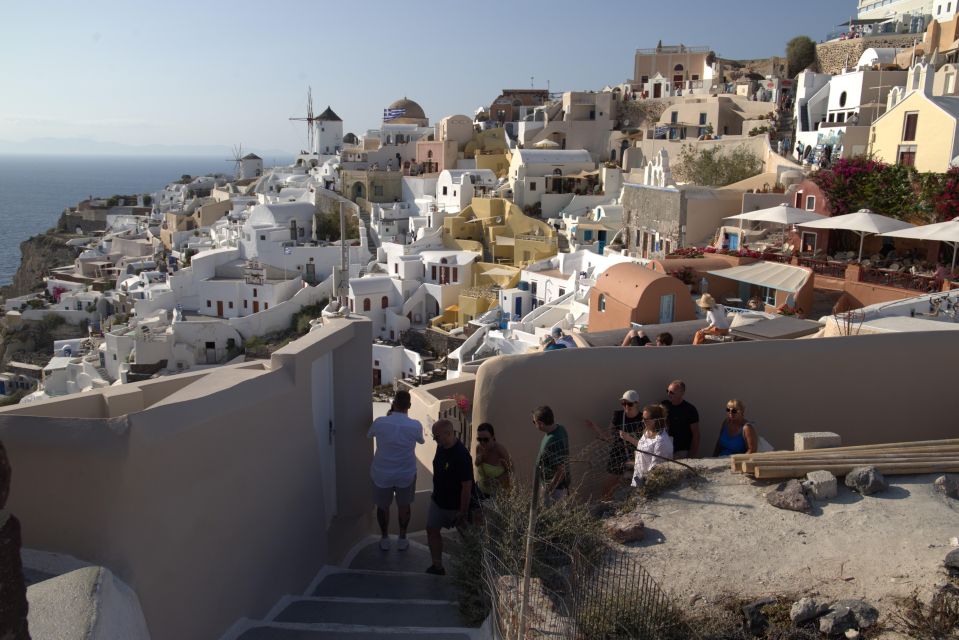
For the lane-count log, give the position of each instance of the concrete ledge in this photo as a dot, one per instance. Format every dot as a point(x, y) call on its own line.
point(815, 440)
point(86, 604)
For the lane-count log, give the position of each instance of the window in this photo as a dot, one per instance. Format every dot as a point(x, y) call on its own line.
point(532, 288)
point(769, 296)
point(245, 303)
point(445, 190)
point(702, 118)
point(674, 117)
point(909, 128)
point(366, 304)
point(810, 203)
point(907, 155)
point(456, 275)
point(231, 304)
point(262, 237)
point(678, 67)
point(396, 267)
point(842, 99)
point(209, 304)
point(384, 302)
point(601, 303)
point(562, 292)
point(840, 117)
point(351, 304)
point(644, 79)
point(254, 293)
point(532, 186)
point(377, 190)
point(266, 305)
point(433, 272)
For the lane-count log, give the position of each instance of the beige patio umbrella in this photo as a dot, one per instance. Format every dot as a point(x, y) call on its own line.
point(546, 143)
point(947, 232)
point(863, 222)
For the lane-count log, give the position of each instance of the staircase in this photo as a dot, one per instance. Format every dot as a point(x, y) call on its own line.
point(375, 594)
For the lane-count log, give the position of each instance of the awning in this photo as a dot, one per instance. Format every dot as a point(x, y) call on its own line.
point(582, 175)
point(781, 277)
point(861, 22)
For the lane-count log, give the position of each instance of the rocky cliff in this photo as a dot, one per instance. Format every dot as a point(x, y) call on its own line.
point(38, 255)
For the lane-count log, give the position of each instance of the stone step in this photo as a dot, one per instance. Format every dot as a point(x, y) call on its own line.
point(415, 559)
point(384, 584)
point(279, 631)
point(370, 612)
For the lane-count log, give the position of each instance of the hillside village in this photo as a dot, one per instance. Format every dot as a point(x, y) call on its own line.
point(784, 209)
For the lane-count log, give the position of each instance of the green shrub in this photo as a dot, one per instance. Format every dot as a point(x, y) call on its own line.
point(51, 321)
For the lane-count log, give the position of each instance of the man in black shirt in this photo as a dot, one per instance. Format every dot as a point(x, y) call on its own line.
point(452, 489)
point(682, 421)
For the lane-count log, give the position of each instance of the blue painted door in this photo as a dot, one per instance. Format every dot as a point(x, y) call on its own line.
point(602, 241)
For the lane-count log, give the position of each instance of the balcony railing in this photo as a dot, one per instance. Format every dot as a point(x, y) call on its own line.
point(899, 279)
point(824, 267)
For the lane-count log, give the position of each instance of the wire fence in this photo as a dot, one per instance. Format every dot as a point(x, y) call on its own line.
point(548, 569)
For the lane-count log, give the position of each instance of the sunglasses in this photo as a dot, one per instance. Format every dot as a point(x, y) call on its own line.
point(482, 439)
point(626, 403)
point(732, 410)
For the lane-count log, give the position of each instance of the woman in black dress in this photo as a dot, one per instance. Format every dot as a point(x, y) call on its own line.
point(630, 420)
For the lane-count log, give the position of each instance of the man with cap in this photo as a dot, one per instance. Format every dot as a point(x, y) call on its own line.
point(718, 324)
point(628, 420)
point(561, 338)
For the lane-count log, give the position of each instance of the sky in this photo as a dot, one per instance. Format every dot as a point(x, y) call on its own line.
point(218, 73)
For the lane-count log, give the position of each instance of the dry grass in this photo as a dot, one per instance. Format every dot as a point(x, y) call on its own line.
point(937, 620)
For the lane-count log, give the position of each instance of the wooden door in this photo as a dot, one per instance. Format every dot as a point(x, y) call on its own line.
point(219, 308)
point(256, 306)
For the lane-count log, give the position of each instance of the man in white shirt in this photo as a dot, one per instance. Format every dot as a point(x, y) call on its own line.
point(394, 466)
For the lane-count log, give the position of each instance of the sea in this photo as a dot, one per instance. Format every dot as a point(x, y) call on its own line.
point(35, 189)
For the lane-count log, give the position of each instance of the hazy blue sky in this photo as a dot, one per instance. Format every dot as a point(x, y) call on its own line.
point(215, 72)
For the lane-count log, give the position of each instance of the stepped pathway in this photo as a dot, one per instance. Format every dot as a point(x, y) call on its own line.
point(375, 594)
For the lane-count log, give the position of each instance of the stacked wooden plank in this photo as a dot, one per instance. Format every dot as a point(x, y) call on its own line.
point(899, 458)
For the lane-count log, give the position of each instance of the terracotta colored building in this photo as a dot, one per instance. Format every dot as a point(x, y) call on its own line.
point(509, 104)
point(630, 292)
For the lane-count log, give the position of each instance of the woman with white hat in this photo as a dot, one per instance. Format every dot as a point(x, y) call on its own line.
point(716, 317)
point(628, 420)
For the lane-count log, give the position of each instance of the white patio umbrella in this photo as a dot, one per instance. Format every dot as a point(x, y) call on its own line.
point(780, 214)
point(864, 222)
point(947, 232)
point(546, 143)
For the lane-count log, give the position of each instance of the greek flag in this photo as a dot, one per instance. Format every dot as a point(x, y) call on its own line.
point(288, 251)
point(660, 132)
point(390, 114)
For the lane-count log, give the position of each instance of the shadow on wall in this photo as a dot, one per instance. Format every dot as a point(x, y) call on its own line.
point(855, 386)
point(210, 495)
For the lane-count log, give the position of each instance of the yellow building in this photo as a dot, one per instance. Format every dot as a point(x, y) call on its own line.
point(502, 232)
point(490, 149)
point(920, 131)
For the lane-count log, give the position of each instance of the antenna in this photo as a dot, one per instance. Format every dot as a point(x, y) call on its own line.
point(237, 159)
point(309, 119)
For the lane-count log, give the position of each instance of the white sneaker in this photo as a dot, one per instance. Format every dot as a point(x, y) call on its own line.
point(402, 544)
point(385, 543)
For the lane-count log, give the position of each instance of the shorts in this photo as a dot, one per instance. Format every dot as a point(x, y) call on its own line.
point(439, 518)
point(383, 496)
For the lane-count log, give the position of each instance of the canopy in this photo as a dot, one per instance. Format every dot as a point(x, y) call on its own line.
point(863, 222)
point(780, 214)
point(947, 232)
point(546, 143)
point(782, 277)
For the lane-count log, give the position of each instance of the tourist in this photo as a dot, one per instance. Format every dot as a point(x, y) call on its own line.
point(394, 466)
point(452, 491)
point(635, 338)
point(664, 339)
point(563, 338)
point(552, 462)
point(939, 277)
point(682, 421)
point(550, 344)
point(628, 420)
point(654, 447)
point(718, 323)
point(493, 464)
point(736, 435)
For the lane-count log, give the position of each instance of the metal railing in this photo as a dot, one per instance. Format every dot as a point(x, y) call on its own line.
point(824, 267)
point(899, 279)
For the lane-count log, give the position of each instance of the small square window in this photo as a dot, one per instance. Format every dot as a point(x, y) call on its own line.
point(231, 304)
point(209, 304)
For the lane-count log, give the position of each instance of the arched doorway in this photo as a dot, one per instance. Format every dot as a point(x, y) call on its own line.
point(359, 191)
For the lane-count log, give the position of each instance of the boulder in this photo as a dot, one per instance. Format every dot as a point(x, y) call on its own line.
point(947, 485)
point(952, 561)
point(756, 620)
point(13, 604)
point(837, 622)
point(626, 528)
point(866, 480)
point(789, 495)
point(821, 485)
point(806, 609)
point(866, 615)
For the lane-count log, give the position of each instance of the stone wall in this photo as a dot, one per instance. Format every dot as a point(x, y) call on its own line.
point(652, 208)
point(833, 56)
